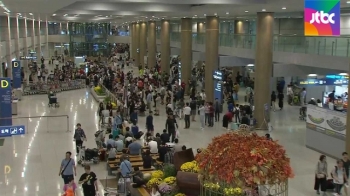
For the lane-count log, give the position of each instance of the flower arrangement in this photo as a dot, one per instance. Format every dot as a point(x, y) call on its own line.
point(169, 170)
point(213, 186)
point(190, 167)
point(170, 180)
point(114, 105)
point(164, 188)
point(157, 174)
point(233, 191)
point(153, 181)
point(98, 90)
point(243, 159)
point(180, 194)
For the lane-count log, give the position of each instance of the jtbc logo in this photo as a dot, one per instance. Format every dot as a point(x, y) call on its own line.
point(15, 64)
point(322, 18)
point(4, 83)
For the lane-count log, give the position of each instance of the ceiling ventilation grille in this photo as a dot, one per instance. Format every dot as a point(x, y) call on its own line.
point(196, 5)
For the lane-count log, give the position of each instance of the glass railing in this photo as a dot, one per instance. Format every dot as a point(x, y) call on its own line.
point(332, 46)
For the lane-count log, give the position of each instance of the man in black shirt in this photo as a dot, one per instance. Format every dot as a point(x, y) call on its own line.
point(163, 149)
point(165, 136)
point(171, 126)
point(89, 182)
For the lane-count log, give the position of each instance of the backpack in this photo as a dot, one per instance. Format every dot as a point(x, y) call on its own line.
point(98, 133)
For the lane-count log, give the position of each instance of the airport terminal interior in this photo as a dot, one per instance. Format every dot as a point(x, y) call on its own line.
point(270, 49)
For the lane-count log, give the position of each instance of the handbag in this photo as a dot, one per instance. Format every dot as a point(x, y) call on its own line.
point(65, 167)
point(320, 176)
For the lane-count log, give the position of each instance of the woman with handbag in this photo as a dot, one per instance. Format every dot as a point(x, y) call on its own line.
point(321, 175)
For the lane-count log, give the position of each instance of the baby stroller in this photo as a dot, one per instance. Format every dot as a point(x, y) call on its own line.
point(53, 101)
point(302, 113)
point(87, 155)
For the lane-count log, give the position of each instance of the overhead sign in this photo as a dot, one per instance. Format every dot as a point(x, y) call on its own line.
point(5, 102)
point(27, 58)
point(16, 74)
point(217, 75)
point(324, 81)
point(7, 131)
point(322, 17)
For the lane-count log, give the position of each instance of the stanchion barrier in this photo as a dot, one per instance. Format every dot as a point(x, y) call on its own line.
point(55, 86)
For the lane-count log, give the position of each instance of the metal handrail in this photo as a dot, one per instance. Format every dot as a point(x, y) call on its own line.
point(48, 116)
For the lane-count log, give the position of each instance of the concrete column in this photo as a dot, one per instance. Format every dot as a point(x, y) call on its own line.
point(151, 44)
point(16, 37)
point(47, 39)
point(137, 44)
point(33, 37)
point(131, 27)
point(200, 27)
point(211, 54)
point(165, 46)
point(263, 66)
point(8, 47)
point(239, 27)
point(38, 52)
point(143, 42)
point(25, 51)
point(186, 50)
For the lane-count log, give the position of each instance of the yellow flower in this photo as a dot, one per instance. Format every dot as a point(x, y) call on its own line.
point(153, 181)
point(210, 185)
point(180, 194)
point(232, 191)
point(170, 180)
point(157, 174)
point(190, 167)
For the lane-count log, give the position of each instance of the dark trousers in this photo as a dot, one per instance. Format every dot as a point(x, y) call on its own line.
point(78, 145)
point(217, 116)
point(172, 134)
point(66, 178)
point(237, 118)
point(320, 182)
point(210, 121)
point(206, 118)
point(187, 121)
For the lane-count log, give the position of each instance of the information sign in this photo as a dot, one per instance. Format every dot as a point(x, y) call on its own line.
point(5, 102)
point(7, 131)
point(16, 75)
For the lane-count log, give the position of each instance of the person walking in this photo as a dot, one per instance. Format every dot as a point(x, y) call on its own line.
point(88, 180)
point(79, 137)
point(321, 175)
point(149, 123)
point(67, 169)
point(280, 100)
point(187, 113)
point(201, 110)
point(273, 101)
point(171, 126)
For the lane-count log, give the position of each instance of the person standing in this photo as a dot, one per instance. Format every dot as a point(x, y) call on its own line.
point(193, 106)
point(217, 108)
point(67, 168)
point(346, 165)
point(149, 123)
point(280, 100)
point(211, 115)
point(339, 177)
point(149, 100)
point(201, 110)
point(79, 137)
point(89, 182)
point(321, 175)
point(187, 113)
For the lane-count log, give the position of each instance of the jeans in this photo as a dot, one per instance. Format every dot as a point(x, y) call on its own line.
point(217, 116)
point(187, 121)
point(78, 145)
point(338, 188)
point(206, 118)
point(202, 119)
point(172, 134)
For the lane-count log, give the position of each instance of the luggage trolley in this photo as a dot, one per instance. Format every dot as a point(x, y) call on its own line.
point(53, 101)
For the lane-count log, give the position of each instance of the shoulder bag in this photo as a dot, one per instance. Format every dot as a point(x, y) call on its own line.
point(65, 167)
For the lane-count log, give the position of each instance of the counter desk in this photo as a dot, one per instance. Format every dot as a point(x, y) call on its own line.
point(325, 131)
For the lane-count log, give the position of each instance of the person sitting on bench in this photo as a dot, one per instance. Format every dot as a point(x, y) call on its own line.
point(138, 178)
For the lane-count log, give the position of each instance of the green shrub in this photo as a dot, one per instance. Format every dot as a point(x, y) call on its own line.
point(169, 170)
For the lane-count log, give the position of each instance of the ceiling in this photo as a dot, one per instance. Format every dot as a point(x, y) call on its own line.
point(126, 11)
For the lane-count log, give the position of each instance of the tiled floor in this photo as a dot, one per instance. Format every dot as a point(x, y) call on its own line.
point(31, 162)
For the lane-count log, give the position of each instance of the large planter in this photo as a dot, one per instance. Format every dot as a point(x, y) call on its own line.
point(98, 98)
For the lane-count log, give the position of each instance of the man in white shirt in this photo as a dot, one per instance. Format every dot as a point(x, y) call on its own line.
point(187, 113)
point(153, 147)
point(290, 94)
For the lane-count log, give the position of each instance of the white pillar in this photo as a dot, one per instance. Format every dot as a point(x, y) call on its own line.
point(38, 53)
point(16, 37)
point(47, 40)
point(33, 35)
point(8, 48)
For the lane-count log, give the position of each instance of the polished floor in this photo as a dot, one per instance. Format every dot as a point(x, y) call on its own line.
point(31, 162)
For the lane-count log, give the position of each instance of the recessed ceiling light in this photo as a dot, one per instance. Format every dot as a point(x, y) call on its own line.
point(65, 15)
point(146, 17)
point(215, 14)
point(227, 13)
point(205, 14)
point(348, 2)
point(152, 16)
point(163, 18)
point(106, 16)
point(283, 8)
point(53, 14)
point(246, 11)
point(31, 14)
point(264, 10)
